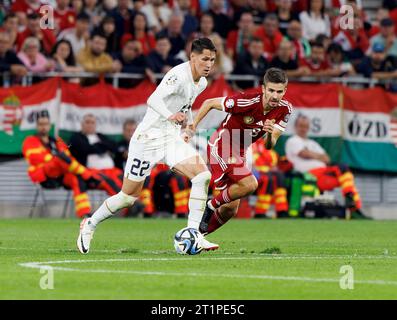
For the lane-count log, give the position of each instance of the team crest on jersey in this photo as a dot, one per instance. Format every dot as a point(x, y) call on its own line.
point(248, 120)
point(229, 103)
point(171, 80)
point(231, 160)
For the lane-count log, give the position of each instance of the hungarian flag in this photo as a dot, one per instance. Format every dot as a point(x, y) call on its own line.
point(18, 109)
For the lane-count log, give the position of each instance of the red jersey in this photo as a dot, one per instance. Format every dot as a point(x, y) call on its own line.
point(25, 7)
point(245, 120)
point(65, 19)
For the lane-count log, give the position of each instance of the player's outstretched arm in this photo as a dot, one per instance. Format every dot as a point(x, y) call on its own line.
point(214, 103)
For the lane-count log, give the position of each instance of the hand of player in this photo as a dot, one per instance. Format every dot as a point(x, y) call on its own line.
point(269, 125)
point(177, 118)
point(189, 133)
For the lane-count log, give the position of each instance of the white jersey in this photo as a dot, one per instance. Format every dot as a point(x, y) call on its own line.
point(296, 144)
point(176, 92)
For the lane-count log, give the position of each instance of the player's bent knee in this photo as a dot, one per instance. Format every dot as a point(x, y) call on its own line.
point(250, 185)
point(120, 201)
point(202, 178)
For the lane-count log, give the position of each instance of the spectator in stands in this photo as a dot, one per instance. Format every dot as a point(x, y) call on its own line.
point(190, 22)
point(324, 40)
point(284, 60)
point(317, 64)
point(222, 23)
point(184, 55)
point(64, 16)
point(307, 155)
point(77, 6)
point(93, 57)
point(223, 64)
point(24, 8)
point(10, 26)
point(386, 37)
point(160, 60)
point(285, 15)
point(206, 26)
point(174, 33)
point(45, 36)
point(315, 20)
point(251, 63)
point(120, 159)
point(79, 35)
point(141, 32)
point(131, 60)
point(257, 9)
point(379, 66)
point(108, 28)
point(270, 35)
point(52, 165)
point(32, 58)
point(64, 58)
point(158, 14)
point(353, 41)
point(109, 5)
point(301, 45)
point(9, 62)
point(338, 61)
point(123, 16)
point(238, 40)
point(381, 14)
point(95, 151)
point(95, 11)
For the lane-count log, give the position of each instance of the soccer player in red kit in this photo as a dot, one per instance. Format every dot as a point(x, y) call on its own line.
point(250, 117)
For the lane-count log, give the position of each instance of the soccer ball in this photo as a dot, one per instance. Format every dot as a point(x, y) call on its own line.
point(187, 241)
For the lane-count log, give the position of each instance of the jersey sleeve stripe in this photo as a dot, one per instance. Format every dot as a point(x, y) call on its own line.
point(247, 103)
point(286, 104)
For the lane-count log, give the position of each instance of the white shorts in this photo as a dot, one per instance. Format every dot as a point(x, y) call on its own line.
point(144, 153)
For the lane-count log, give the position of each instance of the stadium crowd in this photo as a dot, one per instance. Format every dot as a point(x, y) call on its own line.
point(303, 37)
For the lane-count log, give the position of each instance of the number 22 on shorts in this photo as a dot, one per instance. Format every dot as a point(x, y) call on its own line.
point(139, 167)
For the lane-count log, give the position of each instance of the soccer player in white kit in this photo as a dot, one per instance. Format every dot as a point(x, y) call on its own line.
point(158, 138)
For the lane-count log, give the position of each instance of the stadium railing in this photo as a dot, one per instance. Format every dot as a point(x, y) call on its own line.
point(349, 81)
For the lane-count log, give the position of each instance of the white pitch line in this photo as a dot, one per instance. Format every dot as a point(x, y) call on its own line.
point(48, 264)
point(281, 256)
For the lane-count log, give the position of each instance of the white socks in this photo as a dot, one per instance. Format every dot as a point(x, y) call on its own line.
point(110, 206)
point(198, 198)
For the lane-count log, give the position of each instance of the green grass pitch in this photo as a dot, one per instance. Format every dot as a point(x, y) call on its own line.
point(135, 259)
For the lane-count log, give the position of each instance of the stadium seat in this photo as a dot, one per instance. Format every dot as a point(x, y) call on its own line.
point(40, 192)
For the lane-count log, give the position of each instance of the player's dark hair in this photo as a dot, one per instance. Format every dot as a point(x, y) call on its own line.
point(200, 44)
point(275, 75)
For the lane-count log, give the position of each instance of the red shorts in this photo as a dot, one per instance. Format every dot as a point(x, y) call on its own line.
point(227, 168)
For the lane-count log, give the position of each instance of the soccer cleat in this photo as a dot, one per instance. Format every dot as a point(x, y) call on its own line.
point(85, 236)
point(208, 246)
point(208, 212)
